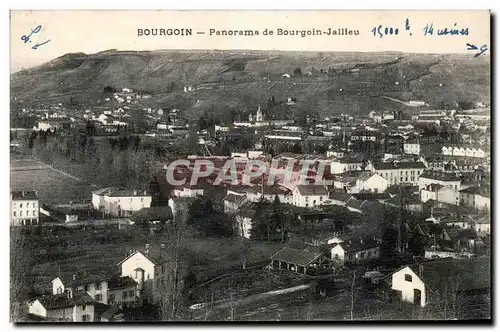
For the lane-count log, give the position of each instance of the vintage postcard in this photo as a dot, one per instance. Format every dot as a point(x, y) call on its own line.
point(250, 166)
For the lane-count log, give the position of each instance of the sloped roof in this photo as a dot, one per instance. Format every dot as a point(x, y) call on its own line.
point(312, 190)
point(340, 196)
point(365, 175)
point(457, 234)
point(295, 256)
point(60, 301)
point(24, 195)
point(121, 282)
point(356, 245)
point(235, 199)
point(441, 176)
point(399, 165)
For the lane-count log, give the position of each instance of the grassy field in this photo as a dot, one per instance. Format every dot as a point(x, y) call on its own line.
point(97, 251)
point(52, 186)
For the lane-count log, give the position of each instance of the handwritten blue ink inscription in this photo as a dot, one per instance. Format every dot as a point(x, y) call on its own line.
point(453, 31)
point(387, 31)
point(26, 38)
point(479, 52)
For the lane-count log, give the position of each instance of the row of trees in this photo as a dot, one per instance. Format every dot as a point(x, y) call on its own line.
point(116, 161)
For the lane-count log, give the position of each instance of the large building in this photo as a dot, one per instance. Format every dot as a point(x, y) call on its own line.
point(120, 202)
point(24, 208)
point(400, 172)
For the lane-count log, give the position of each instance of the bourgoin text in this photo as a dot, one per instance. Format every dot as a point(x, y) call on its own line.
point(342, 31)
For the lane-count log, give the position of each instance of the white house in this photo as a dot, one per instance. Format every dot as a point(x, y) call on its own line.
point(76, 307)
point(477, 198)
point(141, 269)
point(343, 165)
point(482, 225)
point(309, 195)
point(370, 182)
point(24, 208)
point(356, 252)
point(400, 172)
point(410, 286)
point(427, 282)
point(435, 177)
point(120, 202)
point(187, 191)
point(411, 148)
point(463, 151)
point(439, 193)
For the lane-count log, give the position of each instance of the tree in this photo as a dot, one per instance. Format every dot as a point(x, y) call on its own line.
point(192, 142)
point(173, 290)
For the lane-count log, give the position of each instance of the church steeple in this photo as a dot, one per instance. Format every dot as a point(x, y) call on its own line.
point(259, 116)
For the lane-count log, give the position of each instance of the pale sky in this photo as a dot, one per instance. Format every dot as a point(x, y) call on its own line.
point(95, 31)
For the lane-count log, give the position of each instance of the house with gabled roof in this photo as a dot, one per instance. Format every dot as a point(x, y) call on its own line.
point(300, 261)
point(356, 251)
point(439, 193)
point(427, 282)
point(65, 307)
point(311, 195)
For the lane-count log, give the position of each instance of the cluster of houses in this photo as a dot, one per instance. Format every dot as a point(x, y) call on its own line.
point(379, 159)
point(139, 278)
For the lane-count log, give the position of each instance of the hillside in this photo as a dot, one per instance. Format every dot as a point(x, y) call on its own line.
point(330, 83)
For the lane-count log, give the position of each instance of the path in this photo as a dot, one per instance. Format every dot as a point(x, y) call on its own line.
point(396, 100)
point(238, 302)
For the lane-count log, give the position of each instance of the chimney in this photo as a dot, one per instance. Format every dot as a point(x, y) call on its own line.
point(74, 276)
point(420, 271)
point(135, 192)
point(162, 245)
point(145, 193)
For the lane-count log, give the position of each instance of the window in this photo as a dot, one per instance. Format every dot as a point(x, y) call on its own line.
point(14, 204)
point(21, 205)
point(27, 213)
point(142, 199)
point(20, 213)
point(111, 297)
point(27, 205)
point(34, 205)
point(336, 256)
point(407, 277)
point(85, 318)
point(124, 295)
point(131, 293)
point(14, 213)
point(320, 199)
point(370, 253)
point(87, 288)
point(34, 213)
point(59, 290)
point(362, 255)
point(84, 307)
point(98, 297)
